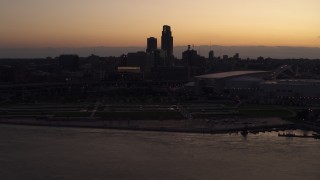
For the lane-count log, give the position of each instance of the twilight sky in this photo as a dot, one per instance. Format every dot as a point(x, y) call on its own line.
point(87, 23)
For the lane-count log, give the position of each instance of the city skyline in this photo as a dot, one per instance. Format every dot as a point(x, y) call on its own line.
point(36, 24)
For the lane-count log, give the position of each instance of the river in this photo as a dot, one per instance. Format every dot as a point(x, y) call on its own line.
point(45, 153)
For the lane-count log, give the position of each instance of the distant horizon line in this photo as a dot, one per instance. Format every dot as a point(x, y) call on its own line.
point(132, 46)
point(252, 51)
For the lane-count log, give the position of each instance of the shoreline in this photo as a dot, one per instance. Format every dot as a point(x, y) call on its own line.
point(179, 126)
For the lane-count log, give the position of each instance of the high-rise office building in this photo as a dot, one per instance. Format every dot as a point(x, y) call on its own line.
point(167, 41)
point(211, 55)
point(151, 45)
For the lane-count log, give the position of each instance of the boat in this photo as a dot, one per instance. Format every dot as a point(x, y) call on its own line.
point(298, 136)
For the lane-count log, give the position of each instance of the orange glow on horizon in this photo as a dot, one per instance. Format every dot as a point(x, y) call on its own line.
point(108, 23)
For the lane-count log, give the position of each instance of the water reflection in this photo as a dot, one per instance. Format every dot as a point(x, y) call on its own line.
point(71, 153)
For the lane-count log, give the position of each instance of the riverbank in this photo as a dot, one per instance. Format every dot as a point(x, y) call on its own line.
point(226, 125)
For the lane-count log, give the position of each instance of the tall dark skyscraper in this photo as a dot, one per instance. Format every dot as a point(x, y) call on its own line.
point(167, 40)
point(211, 55)
point(151, 44)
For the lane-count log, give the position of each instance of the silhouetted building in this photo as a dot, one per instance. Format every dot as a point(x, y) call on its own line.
point(151, 45)
point(129, 69)
point(260, 58)
point(211, 55)
point(176, 73)
point(191, 58)
point(159, 58)
point(167, 41)
point(137, 59)
point(194, 62)
point(69, 62)
point(225, 57)
point(129, 74)
point(236, 56)
point(244, 83)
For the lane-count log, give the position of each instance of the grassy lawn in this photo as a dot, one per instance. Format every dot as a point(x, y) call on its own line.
point(209, 114)
point(248, 110)
point(21, 113)
point(72, 114)
point(265, 113)
point(144, 115)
